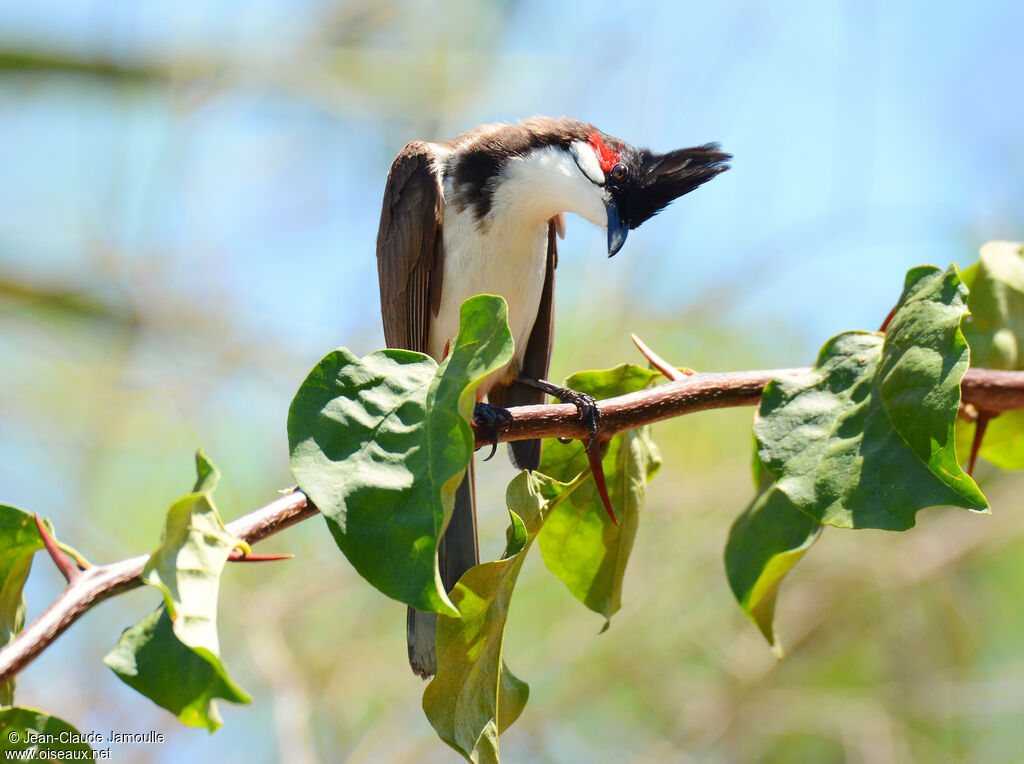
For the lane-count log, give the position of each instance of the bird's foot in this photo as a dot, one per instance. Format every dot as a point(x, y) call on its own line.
point(587, 411)
point(590, 416)
point(492, 420)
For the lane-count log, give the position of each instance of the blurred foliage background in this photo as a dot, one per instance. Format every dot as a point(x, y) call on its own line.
point(189, 195)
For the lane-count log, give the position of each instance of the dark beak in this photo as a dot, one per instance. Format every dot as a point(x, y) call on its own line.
point(617, 230)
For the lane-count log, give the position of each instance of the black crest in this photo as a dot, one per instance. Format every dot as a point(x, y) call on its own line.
point(654, 180)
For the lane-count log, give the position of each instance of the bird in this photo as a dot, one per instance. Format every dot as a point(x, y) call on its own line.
point(480, 214)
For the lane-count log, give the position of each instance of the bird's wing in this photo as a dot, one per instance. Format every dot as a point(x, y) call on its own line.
point(410, 249)
point(526, 453)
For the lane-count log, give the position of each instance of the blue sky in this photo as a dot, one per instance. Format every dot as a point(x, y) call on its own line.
point(867, 139)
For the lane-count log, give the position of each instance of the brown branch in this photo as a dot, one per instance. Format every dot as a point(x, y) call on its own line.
point(992, 391)
point(696, 392)
point(986, 389)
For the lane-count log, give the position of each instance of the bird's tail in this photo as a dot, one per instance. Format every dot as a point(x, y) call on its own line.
point(457, 553)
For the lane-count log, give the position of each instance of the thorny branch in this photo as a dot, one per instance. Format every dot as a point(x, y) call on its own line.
point(985, 389)
point(94, 584)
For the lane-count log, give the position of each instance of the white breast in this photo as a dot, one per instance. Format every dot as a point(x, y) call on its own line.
point(506, 253)
point(510, 261)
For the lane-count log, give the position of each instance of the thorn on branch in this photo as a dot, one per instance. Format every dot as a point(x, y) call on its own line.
point(237, 556)
point(981, 424)
point(64, 564)
point(594, 453)
point(660, 363)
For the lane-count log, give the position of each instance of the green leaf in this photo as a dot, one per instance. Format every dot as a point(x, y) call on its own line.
point(580, 544)
point(765, 542)
point(473, 698)
point(29, 729)
point(19, 540)
point(150, 658)
point(186, 567)
point(173, 655)
point(995, 328)
point(381, 443)
point(923, 360)
point(866, 438)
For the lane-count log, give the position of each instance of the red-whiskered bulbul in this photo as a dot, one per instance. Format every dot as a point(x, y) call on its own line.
point(478, 215)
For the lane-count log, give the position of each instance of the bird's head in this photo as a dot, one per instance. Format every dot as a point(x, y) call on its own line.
point(635, 184)
point(543, 167)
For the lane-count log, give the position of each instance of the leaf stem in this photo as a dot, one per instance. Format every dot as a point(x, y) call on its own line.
point(74, 554)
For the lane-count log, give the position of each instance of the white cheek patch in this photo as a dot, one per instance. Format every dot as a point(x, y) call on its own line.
point(586, 158)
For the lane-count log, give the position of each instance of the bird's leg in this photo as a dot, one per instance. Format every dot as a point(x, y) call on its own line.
point(590, 416)
point(492, 419)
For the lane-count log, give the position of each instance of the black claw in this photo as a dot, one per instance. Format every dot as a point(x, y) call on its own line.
point(492, 419)
point(587, 411)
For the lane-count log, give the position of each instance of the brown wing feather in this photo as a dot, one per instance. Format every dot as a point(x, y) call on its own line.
point(525, 454)
point(409, 264)
point(409, 248)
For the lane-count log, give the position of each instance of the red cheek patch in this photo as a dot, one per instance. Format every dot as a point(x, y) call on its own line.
point(606, 156)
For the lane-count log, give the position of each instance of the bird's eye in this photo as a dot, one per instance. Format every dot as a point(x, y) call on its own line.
point(618, 172)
